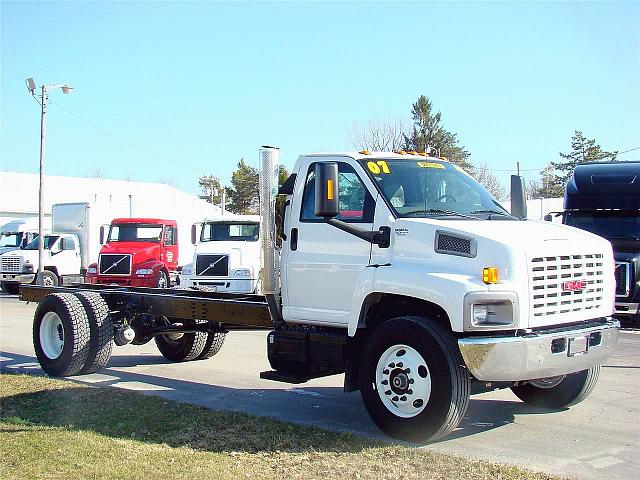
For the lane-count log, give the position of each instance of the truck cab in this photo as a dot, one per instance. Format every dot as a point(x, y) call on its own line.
point(139, 252)
point(18, 233)
point(604, 198)
point(61, 259)
point(227, 255)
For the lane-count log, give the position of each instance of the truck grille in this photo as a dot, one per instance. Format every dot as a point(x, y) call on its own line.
point(623, 279)
point(212, 265)
point(10, 264)
point(554, 280)
point(115, 264)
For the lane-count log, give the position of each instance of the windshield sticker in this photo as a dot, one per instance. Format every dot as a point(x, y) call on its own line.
point(378, 167)
point(430, 165)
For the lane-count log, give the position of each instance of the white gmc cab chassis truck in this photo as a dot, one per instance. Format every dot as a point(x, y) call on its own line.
point(398, 270)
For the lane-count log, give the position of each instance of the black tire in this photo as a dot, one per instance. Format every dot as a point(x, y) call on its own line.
point(163, 280)
point(100, 329)
point(449, 379)
point(214, 343)
point(573, 389)
point(10, 288)
point(73, 331)
point(47, 278)
point(186, 348)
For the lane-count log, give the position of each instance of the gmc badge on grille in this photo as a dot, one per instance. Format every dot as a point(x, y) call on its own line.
point(574, 285)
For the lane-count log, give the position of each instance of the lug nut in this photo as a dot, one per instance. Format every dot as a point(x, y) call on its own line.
point(388, 392)
point(384, 382)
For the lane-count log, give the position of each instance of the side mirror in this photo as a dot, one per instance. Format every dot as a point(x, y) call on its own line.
point(193, 234)
point(548, 218)
point(101, 234)
point(518, 197)
point(326, 190)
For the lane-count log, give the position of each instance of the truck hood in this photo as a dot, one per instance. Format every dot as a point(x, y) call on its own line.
point(140, 251)
point(241, 254)
point(7, 249)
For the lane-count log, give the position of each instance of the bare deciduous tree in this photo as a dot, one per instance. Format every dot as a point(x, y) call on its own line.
point(489, 181)
point(378, 136)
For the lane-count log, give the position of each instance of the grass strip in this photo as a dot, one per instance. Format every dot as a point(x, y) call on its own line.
point(59, 429)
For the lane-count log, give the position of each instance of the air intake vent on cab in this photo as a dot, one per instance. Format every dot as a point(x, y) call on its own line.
point(453, 244)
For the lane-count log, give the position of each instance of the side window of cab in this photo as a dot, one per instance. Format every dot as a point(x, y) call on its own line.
point(356, 203)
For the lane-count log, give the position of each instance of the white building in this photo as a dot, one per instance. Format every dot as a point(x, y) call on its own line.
point(19, 199)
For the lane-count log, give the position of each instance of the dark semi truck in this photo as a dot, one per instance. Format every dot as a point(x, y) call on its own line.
point(604, 198)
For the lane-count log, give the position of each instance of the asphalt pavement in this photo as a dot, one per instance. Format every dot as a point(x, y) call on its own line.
point(599, 438)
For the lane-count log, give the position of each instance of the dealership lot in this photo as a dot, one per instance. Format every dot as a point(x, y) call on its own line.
point(595, 439)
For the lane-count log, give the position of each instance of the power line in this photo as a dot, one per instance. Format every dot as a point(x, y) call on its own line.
point(630, 150)
point(121, 140)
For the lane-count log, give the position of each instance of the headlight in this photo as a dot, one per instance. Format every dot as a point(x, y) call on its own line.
point(92, 270)
point(186, 270)
point(498, 313)
point(242, 272)
point(491, 310)
point(28, 268)
point(144, 271)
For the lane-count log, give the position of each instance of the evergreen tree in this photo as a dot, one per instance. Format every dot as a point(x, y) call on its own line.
point(211, 189)
point(583, 150)
point(242, 196)
point(550, 185)
point(427, 132)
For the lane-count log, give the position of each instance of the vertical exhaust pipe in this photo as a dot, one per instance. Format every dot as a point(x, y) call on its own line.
point(269, 168)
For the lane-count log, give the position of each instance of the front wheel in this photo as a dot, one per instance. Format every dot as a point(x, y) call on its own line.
point(558, 392)
point(10, 288)
point(413, 379)
point(47, 279)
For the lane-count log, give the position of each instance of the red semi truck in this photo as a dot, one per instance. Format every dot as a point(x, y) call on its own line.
point(138, 252)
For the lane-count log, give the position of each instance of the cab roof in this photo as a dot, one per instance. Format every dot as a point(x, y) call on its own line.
point(152, 221)
point(377, 155)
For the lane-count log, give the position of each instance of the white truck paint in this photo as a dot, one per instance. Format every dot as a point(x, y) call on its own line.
point(73, 244)
point(226, 256)
point(18, 233)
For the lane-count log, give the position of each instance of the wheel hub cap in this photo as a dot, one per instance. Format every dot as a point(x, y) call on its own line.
point(51, 335)
point(403, 381)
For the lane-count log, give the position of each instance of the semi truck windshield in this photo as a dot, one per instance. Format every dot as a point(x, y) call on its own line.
point(230, 232)
point(10, 239)
point(607, 223)
point(135, 232)
point(430, 187)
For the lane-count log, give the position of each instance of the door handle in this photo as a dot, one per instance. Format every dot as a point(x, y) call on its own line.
point(294, 239)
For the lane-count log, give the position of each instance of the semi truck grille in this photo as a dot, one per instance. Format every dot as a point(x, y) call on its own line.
point(115, 264)
point(570, 283)
point(623, 279)
point(212, 265)
point(10, 264)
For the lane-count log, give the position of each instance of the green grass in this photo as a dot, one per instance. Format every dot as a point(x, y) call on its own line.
point(59, 429)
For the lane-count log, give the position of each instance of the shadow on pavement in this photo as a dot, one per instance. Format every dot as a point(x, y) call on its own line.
point(326, 407)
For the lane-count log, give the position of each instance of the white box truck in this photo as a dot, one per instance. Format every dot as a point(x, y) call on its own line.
point(72, 245)
point(226, 256)
point(398, 270)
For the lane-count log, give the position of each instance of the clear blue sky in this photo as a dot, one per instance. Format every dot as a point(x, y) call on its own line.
point(200, 85)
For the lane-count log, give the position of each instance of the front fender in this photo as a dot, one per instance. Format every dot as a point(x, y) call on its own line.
point(445, 289)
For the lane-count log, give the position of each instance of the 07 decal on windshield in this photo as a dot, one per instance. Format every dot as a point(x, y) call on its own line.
point(378, 167)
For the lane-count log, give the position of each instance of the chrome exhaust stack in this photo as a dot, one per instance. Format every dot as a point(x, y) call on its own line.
point(269, 274)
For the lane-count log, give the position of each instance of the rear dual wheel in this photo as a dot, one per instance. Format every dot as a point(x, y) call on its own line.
point(184, 347)
point(72, 333)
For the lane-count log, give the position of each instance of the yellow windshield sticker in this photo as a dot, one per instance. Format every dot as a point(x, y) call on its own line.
point(378, 167)
point(430, 165)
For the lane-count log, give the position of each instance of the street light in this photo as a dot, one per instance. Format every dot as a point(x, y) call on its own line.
point(66, 89)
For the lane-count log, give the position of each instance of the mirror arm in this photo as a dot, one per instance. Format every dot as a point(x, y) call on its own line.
point(382, 237)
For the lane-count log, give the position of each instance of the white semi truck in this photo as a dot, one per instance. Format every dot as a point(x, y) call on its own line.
point(226, 256)
point(18, 233)
point(73, 244)
point(398, 270)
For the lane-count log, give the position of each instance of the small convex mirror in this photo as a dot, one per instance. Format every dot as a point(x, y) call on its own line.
point(326, 190)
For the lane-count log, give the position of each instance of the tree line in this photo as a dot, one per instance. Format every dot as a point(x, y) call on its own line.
point(426, 134)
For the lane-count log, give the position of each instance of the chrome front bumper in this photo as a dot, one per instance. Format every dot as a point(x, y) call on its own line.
point(539, 354)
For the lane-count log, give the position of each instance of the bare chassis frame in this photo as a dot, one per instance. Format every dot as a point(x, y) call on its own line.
point(222, 311)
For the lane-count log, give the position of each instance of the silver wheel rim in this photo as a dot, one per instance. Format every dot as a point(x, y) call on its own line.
point(403, 381)
point(162, 281)
point(548, 382)
point(51, 335)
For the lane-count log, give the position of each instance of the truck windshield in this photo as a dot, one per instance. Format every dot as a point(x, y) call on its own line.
point(10, 239)
point(431, 188)
point(135, 232)
point(230, 232)
point(49, 240)
point(607, 223)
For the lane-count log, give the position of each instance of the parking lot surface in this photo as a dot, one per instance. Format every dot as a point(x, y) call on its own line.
point(598, 438)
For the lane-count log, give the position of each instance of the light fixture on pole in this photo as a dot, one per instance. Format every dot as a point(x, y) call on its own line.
point(31, 86)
